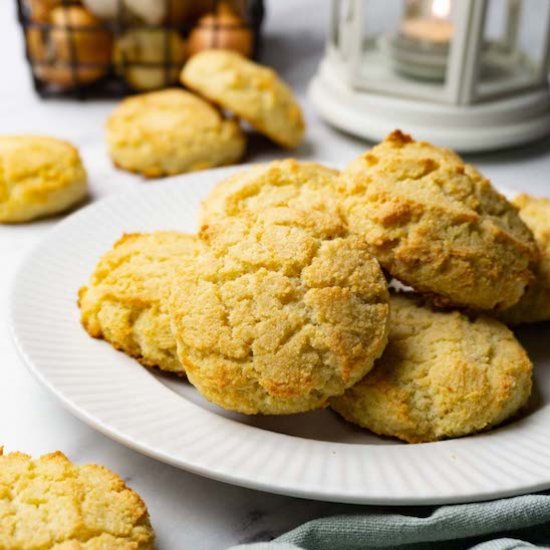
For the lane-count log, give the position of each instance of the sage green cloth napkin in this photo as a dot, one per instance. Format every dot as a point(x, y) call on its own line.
point(512, 523)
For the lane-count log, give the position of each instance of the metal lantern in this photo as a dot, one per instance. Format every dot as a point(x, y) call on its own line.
point(468, 74)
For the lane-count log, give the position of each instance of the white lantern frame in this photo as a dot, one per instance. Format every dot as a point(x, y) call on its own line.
point(465, 112)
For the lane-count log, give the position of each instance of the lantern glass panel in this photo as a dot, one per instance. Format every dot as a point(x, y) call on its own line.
point(404, 48)
point(514, 48)
point(343, 12)
point(534, 19)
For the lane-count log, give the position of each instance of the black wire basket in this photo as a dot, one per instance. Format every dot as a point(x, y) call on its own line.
point(112, 48)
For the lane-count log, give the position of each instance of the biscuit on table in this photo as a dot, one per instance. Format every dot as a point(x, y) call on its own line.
point(279, 314)
point(441, 375)
point(124, 302)
point(49, 502)
point(39, 176)
point(251, 91)
point(437, 225)
point(302, 185)
point(170, 132)
point(534, 305)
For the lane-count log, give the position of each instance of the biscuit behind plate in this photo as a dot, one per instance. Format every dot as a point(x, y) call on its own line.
point(171, 132)
point(307, 186)
point(39, 176)
point(534, 305)
point(124, 302)
point(437, 225)
point(251, 91)
point(279, 314)
point(50, 502)
point(441, 375)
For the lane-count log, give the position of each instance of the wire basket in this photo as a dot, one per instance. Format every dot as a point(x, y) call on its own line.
point(112, 48)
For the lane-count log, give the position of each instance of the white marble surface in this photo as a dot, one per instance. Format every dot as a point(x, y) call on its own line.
point(188, 512)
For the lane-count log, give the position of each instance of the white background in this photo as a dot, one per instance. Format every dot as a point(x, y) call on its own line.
point(187, 511)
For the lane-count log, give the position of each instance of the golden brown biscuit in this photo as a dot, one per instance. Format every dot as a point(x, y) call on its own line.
point(51, 503)
point(305, 186)
point(279, 314)
point(534, 305)
point(125, 302)
point(251, 91)
point(39, 176)
point(171, 132)
point(140, 57)
point(437, 225)
point(441, 375)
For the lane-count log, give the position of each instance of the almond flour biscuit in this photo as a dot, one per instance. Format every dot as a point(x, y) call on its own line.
point(441, 375)
point(305, 186)
point(52, 503)
point(251, 91)
point(534, 305)
point(39, 176)
point(171, 132)
point(279, 314)
point(125, 302)
point(437, 225)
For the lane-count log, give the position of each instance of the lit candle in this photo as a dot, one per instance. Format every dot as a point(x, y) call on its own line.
point(421, 46)
point(436, 29)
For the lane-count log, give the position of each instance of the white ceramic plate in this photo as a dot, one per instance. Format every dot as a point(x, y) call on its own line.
point(314, 455)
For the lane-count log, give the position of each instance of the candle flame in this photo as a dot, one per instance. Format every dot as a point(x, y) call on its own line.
point(441, 8)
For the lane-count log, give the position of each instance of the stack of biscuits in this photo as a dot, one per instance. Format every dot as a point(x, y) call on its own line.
point(284, 301)
point(174, 131)
point(156, 134)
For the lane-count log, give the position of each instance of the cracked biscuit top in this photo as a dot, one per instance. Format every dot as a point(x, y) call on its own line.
point(441, 375)
point(300, 185)
point(125, 300)
point(39, 176)
point(49, 502)
point(251, 91)
point(280, 313)
point(437, 225)
point(171, 132)
point(534, 305)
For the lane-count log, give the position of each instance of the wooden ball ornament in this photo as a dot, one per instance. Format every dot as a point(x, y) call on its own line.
point(224, 30)
point(75, 50)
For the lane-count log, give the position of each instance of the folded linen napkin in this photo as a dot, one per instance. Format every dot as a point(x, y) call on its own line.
point(506, 524)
